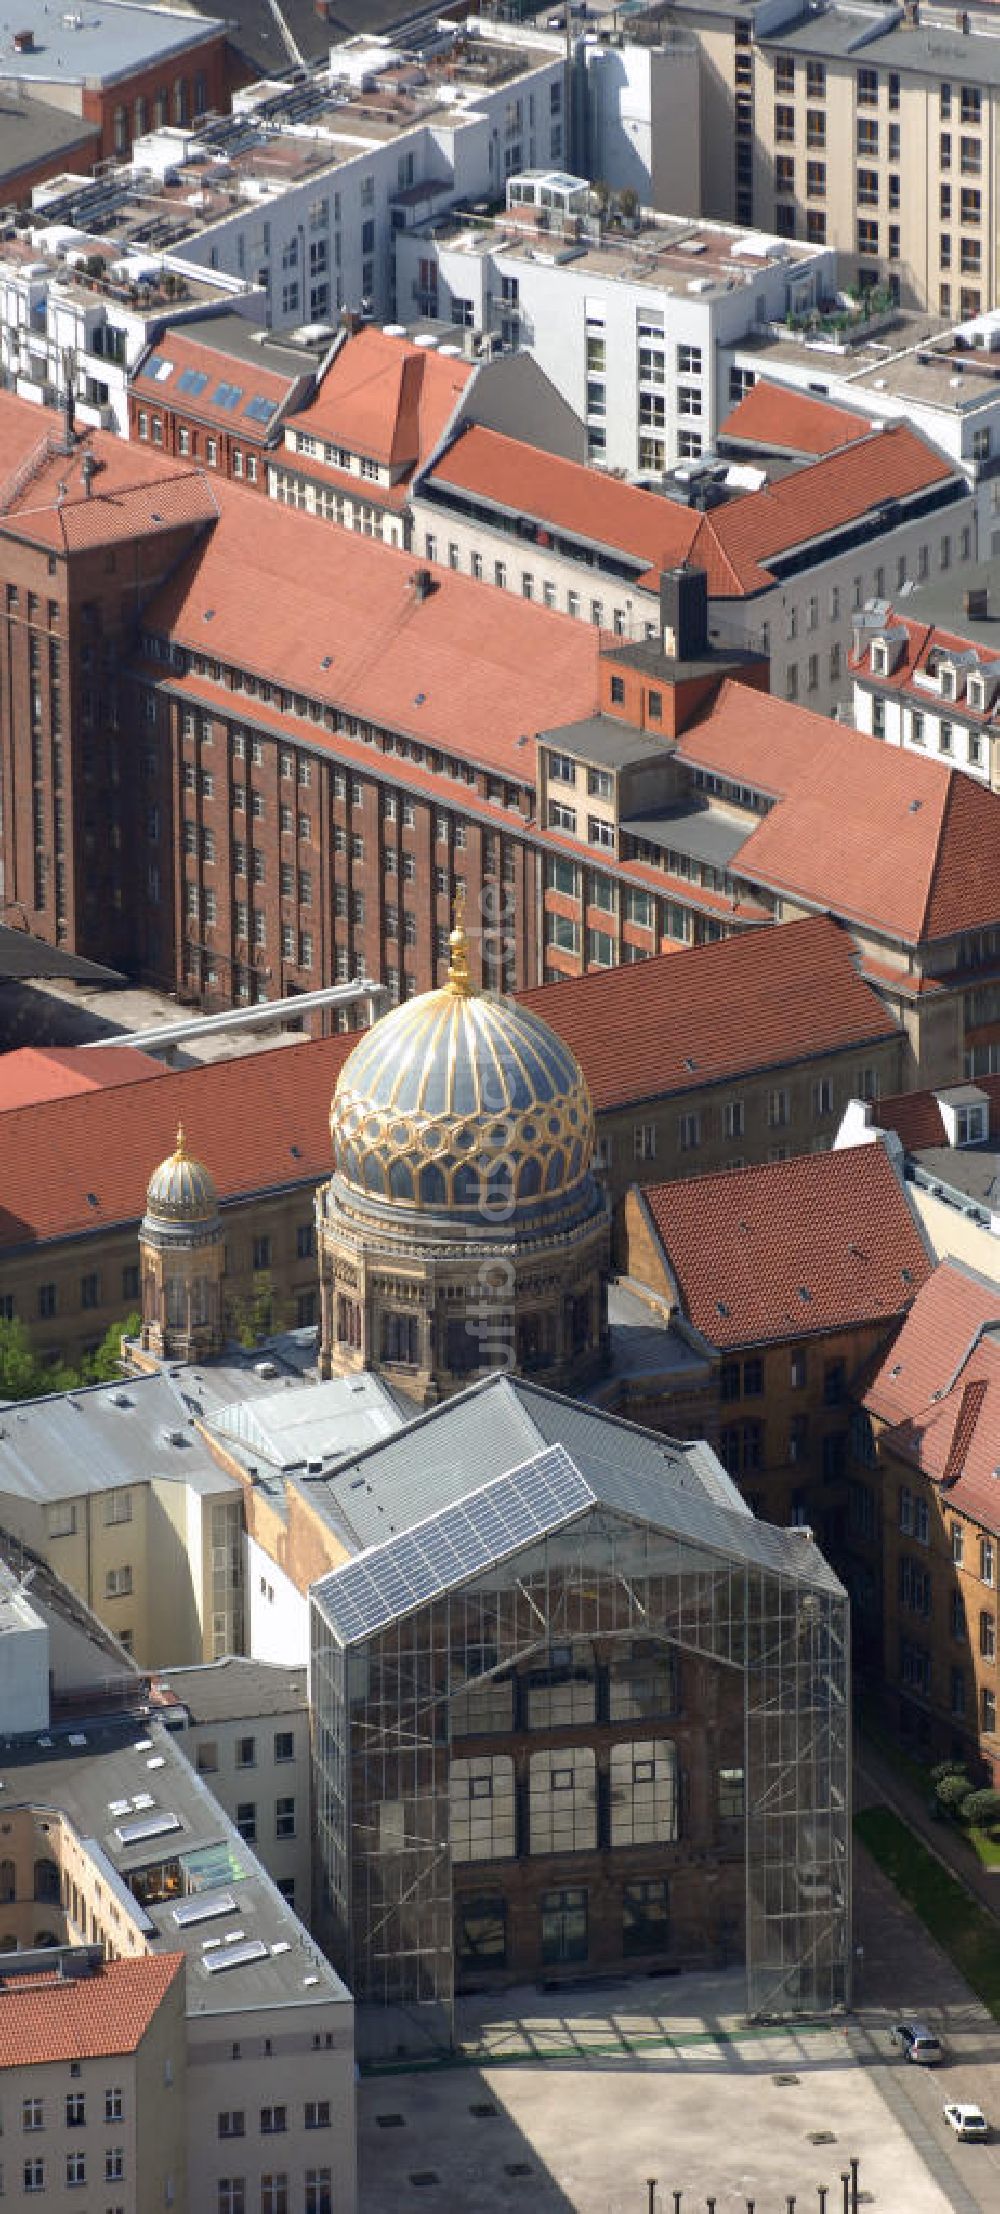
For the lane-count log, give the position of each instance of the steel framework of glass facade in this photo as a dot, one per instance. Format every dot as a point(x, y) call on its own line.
point(389, 1669)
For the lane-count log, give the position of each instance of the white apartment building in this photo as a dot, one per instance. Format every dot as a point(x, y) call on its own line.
point(629, 324)
point(301, 192)
point(640, 117)
point(68, 308)
point(926, 675)
point(787, 565)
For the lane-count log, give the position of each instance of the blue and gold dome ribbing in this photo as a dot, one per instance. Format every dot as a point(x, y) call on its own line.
point(459, 1098)
point(181, 1189)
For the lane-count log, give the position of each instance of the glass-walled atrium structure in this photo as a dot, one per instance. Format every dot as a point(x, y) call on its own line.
point(586, 1715)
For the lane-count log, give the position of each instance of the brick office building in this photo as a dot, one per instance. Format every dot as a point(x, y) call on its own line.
point(741, 1051)
point(264, 758)
point(125, 71)
point(81, 548)
point(794, 1278)
point(924, 1523)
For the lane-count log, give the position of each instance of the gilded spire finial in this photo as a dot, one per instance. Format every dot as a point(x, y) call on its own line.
point(459, 980)
point(181, 1147)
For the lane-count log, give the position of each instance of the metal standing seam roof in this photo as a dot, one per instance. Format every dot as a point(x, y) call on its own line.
point(288, 1430)
point(492, 1428)
point(100, 1438)
point(544, 1494)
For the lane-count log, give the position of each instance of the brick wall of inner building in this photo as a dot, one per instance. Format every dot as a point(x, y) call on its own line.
point(930, 1585)
point(702, 1868)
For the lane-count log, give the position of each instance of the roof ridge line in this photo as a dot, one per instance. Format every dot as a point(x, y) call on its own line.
point(943, 819)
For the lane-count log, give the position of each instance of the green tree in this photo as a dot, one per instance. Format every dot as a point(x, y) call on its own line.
point(252, 1314)
point(22, 1375)
point(953, 1792)
point(104, 1365)
point(982, 1808)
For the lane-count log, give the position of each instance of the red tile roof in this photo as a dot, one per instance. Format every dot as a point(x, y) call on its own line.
point(186, 357)
point(85, 2017)
point(581, 502)
point(705, 1014)
point(385, 398)
point(925, 642)
point(733, 543)
point(938, 1390)
point(736, 543)
point(783, 421)
point(259, 1123)
point(133, 492)
point(883, 837)
point(334, 615)
point(54, 1072)
point(262, 1122)
point(823, 1242)
point(917, 1119)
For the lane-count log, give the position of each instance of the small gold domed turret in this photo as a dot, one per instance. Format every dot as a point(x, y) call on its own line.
point(182, 1260)
point(181, 1189)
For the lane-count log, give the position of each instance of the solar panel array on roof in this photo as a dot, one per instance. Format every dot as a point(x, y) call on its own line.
point(486, 1526)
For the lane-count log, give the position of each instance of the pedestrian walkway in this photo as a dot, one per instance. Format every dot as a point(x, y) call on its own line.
point(878, 1783)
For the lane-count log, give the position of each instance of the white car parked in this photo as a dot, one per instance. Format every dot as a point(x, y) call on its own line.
point(966, 2121)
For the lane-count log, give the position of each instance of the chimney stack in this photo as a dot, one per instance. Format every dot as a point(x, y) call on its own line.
point(684, 613)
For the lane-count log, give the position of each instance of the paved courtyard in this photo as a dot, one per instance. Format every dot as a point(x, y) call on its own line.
point(655, 2077)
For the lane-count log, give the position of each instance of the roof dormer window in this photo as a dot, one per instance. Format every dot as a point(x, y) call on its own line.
point(970, 1126)
point(965, 1115)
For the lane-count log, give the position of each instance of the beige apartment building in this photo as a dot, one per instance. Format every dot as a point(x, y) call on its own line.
point(94, 2073)
point(873, 130)
point(113, 1489)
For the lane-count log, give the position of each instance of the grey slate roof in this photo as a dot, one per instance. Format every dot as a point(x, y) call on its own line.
point(109, 1435)
point(236, 1689)
point(486, 1431)
point(109, 1771)
point(33, 131)
point(21, 955)
point(549, 1492)
point(99, 45)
